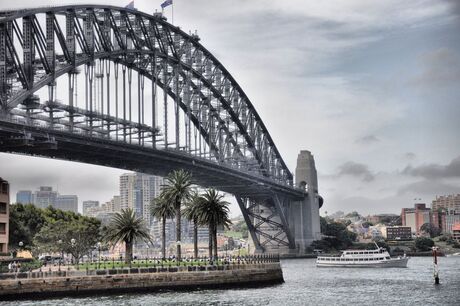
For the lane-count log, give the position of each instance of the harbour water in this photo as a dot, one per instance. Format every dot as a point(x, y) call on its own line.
point(305, 284)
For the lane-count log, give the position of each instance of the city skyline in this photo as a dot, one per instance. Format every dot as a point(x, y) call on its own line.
point(369, 90)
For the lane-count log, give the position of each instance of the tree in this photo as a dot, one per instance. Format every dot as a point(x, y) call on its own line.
point(241, 227)
point(423, 243)
point(192, 212)
point(431, 229)
point(336, 235)
point(353, 214)
point(367, 224)
point(126, 227)
point(25, 222)
point(162, 209)
point(214, 212)
point(177, 191)
point(84, 232)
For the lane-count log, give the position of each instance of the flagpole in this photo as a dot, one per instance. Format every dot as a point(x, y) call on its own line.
point(172, 13)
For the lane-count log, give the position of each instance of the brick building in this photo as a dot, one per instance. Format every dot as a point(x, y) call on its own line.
point(4, 215)
point(448, 202)
point(416, 217)
point(456, 232)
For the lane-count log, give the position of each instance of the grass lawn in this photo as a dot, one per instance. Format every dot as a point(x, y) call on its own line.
point(234, 235)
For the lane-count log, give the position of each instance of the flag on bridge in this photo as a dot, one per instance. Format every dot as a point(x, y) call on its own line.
point(166, 3)
point(130, 5)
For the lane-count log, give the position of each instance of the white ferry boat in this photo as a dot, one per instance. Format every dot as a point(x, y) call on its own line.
point(378, 258)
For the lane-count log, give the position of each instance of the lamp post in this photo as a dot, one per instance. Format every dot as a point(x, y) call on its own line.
point(62, 255)
point(226, 247)
point(72, 242)
point(99, 254)
point(148, 252)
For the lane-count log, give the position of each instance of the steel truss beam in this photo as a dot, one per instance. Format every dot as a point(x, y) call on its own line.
point(130, 27)
point(207, 116)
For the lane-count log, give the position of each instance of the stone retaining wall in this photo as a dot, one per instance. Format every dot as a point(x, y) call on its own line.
point(135, 279)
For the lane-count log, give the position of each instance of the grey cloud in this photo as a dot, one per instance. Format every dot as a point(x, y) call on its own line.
point(368, 139)
point(427, 188)
point(366, 205)
point(435, 171)
point(454, 6)
point(440, 67)
point(86, 181)
point(410, 156)
point(357, 170)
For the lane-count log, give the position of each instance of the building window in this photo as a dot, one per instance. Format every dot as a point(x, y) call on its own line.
point(2, 248)
point(2, 228)
point(4, 188)
point(2, 208)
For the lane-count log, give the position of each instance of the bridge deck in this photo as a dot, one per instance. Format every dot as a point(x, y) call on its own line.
point(116, 154)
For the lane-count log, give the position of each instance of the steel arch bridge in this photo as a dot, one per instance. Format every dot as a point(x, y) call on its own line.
point(143, 95)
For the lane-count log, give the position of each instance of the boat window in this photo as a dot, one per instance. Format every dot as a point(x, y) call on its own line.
point(388, 257)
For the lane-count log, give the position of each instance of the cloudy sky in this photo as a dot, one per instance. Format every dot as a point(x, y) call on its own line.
point(371, 88)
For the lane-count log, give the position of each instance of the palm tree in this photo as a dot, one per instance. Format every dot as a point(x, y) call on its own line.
point(177, 191)
point(162, 209)
point(192, 212)
point(126, 227)
point(214, 213)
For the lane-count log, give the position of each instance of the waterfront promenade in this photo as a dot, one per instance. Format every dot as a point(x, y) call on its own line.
point(247, 271)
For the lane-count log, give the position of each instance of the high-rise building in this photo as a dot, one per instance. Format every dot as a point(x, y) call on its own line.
point(416, 217)
point(137, 191)
point(87, 205)
point(186, 230)
point(449, 219)
point(448, 202)
point(44, 197)
point(114, 204)
point(4, 215)
point(66, 203)
point(24, 197)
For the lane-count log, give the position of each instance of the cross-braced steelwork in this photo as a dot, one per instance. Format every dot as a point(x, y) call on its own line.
point(118, 87)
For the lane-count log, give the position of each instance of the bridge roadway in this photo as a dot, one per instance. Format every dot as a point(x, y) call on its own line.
point(64, 145)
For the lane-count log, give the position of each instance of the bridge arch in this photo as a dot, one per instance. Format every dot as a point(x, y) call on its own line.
point(43, 45)
point(109, 32)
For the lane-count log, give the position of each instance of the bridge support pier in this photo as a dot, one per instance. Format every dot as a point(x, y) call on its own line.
point(283, 225)
point(303, 217)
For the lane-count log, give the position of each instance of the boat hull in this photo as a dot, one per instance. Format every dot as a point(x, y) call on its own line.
point(391, 263)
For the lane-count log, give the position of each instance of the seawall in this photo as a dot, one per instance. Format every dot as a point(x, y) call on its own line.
point(71, 283)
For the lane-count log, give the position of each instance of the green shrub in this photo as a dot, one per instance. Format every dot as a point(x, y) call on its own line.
point(30, 265)
point(424, 243)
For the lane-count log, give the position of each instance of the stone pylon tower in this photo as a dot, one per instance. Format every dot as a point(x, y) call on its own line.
point(304, 215)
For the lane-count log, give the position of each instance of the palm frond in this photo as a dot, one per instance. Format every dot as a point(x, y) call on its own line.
point(126, 227)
